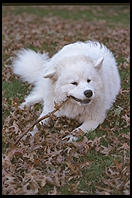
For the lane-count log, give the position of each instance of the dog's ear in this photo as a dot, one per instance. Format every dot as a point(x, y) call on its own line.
point(99, 62)
point(51, 75)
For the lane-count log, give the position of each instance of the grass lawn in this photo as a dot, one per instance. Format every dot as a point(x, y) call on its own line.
point(99, 162)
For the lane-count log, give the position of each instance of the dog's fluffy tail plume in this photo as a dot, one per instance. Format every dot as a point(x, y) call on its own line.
point(29, 65)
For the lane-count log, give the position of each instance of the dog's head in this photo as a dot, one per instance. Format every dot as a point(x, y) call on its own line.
point(78, 77)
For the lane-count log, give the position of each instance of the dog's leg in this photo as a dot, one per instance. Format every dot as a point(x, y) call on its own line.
point(31, 100)
point(89, 125)
point(47, 109)
point(86, 127)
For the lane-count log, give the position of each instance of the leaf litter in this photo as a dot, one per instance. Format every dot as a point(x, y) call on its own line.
point(47, 161)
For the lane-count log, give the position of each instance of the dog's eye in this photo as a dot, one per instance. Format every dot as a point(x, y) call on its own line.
point(74, 83)
point(88, 80)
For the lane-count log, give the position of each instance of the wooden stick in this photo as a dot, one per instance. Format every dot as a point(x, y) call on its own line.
point(57, 107)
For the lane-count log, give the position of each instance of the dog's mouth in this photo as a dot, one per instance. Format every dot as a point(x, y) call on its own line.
point(85, 101)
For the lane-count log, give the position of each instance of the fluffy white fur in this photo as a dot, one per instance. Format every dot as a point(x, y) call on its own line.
point(76, 68)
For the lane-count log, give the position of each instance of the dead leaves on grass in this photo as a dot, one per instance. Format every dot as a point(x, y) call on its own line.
point(46, 160)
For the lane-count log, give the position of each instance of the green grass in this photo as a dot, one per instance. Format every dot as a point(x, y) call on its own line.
point(14, 89)
point(91, 175)
point(125, 78)
point(108, 13)
point(94, 174)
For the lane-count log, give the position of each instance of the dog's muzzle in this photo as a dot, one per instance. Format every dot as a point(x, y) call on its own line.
point(85, 101)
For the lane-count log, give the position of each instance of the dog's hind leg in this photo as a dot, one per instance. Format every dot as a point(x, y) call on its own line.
point(31, 100)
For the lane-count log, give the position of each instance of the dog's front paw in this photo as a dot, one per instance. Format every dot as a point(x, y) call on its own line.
point(45, 121)
point(70, 138)
point(74, 135)
point(34, 131)
point(21, 106)
point(78, 132)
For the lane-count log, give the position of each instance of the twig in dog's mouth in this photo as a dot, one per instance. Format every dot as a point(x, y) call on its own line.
point(85, 101)
point(57, 107)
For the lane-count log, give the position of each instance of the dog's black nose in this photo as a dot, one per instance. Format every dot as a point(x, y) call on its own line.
point(88, 93)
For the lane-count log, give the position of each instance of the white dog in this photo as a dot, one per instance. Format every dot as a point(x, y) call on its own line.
point(86, 71)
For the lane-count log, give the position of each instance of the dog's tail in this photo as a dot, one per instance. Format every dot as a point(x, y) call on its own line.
point(29, 65)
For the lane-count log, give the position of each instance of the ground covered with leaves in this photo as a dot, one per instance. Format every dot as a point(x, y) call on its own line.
point(99, 162)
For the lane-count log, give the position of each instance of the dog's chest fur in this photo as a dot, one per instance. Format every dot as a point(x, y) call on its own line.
point(73, 111)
